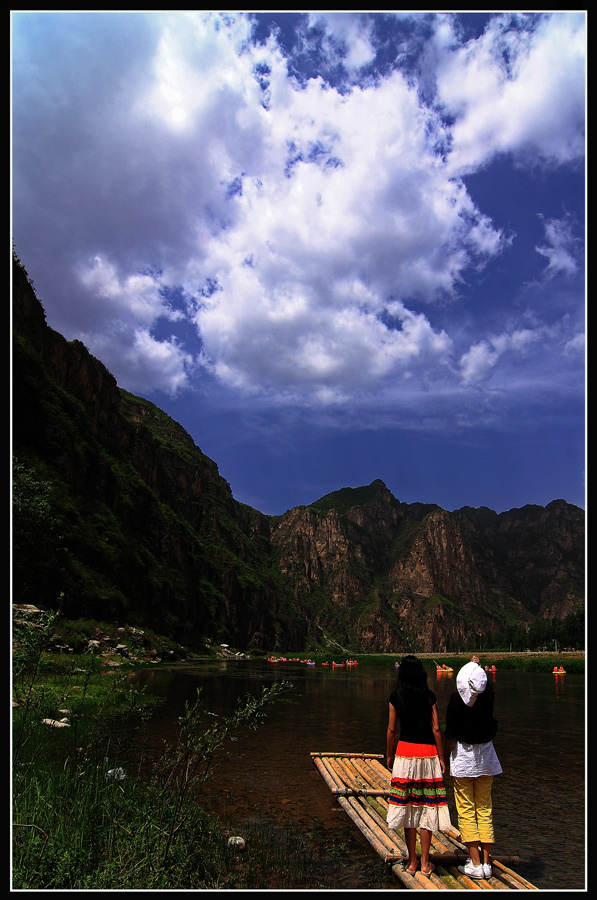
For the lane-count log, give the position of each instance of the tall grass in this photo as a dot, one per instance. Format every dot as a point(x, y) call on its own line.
point(89, 812)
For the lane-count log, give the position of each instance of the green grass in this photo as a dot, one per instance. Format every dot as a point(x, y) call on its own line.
point(90, 811)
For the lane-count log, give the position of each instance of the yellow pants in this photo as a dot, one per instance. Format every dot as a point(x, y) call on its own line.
point(473, 805)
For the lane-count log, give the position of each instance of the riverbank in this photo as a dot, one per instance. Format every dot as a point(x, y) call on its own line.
point(95, 808)
point(92, 810)
point(573, 661)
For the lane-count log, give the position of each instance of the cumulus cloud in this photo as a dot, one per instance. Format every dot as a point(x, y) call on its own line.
point(519, 88)
point(314, 231)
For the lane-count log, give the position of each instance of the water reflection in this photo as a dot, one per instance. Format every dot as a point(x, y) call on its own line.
point(540, 744)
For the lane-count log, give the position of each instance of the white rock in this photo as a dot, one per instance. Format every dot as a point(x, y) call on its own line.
point(237, 842)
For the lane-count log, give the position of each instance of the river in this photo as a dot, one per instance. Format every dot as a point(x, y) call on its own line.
point(539, 800)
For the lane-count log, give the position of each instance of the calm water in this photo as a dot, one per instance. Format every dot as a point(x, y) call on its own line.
point(539, 801)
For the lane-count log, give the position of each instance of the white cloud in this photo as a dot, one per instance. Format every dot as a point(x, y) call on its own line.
point(478, 363)
point(352, 33)
point(560, 249)
point(137, 297)
point(171, 152)
point(515, 90)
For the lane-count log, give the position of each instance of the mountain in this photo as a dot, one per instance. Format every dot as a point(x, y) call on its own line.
point(120, 515)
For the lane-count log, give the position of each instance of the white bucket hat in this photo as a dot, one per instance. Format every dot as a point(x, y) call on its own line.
point(471, 681)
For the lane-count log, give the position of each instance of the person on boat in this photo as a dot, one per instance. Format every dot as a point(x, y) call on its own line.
point(473, 762)
point(418, 793)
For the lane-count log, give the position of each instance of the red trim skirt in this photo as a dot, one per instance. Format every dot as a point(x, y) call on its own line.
point(418, 792)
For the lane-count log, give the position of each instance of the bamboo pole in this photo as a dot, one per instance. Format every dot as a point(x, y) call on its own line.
point(433, 882)
point(332, 775)
point(468, 882)
point(362, 792)
point(407, 880)
point(377, 766)
point(331, 784)
point(527, 884)
point(368, 775)
point(429, 882)
point(447, 878)
point(375, 778)
point(348, 779)
point(348, 776)
point(362, 826)
point(455, 859)
point(382, 822)
point(350, 755)
point(444, 843)
point(382, 834)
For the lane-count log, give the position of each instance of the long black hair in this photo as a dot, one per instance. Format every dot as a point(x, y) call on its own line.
point(413, 691)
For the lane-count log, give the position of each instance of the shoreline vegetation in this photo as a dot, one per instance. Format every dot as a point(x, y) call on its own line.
point(94, 811)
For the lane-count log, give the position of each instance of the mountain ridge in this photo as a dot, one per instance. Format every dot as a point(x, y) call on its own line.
point(152, 530)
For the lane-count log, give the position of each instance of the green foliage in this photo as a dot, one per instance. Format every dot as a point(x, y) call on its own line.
point(543, 634)
point(88, 815)
point(345, 499)
point(36, 537)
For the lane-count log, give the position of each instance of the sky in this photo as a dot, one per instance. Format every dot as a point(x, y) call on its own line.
point(335, 247)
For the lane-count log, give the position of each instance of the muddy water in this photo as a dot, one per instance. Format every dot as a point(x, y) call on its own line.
point(539, 801)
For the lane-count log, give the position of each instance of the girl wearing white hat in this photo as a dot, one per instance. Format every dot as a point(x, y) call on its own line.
point(470, 729)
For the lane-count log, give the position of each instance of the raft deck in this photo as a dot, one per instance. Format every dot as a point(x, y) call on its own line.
point(361, 784)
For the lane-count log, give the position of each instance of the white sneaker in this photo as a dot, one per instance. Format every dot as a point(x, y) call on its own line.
point(471, 870)
point(487, 870)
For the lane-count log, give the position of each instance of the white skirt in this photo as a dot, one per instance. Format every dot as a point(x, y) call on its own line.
point(418, 792)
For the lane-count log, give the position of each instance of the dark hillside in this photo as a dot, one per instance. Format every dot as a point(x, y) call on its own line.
point(119, 513)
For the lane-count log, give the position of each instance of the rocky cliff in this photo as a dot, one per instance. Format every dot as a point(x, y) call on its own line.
point(150, 532)
point(400, 570)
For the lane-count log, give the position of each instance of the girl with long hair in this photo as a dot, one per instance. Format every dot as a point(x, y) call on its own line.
point(418, 793)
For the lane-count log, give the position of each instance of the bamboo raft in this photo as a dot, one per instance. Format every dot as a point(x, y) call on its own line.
point(360, 782)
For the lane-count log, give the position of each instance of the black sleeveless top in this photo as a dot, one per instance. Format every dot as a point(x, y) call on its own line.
point(412, 730)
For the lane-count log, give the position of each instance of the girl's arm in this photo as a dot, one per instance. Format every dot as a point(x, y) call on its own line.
point(391, 736)
point(437, 734)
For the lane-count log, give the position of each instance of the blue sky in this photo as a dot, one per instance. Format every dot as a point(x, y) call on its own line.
point(334, 246)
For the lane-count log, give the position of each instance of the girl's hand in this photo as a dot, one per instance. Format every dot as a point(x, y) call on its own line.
point(390, 762)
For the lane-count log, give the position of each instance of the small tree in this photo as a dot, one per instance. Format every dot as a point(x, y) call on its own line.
point(35, 536)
